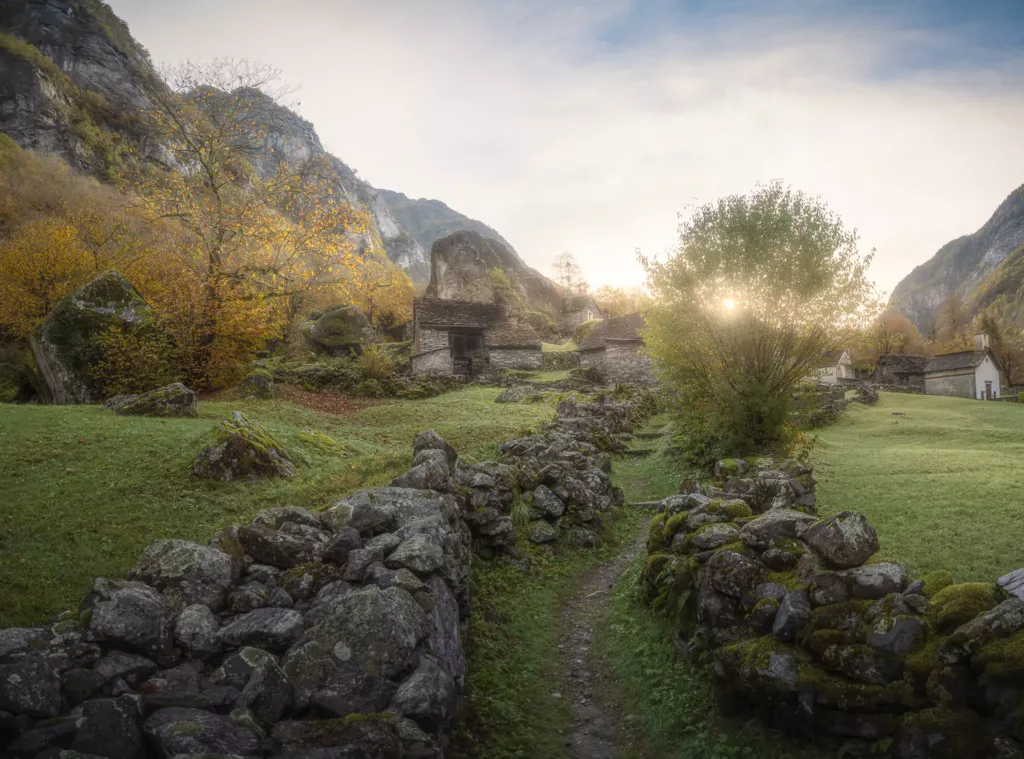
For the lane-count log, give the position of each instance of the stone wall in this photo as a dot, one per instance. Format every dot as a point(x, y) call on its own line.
point(306, 635)
point(438, 361)
point(515, 358)
point(560, 360)
point(621, 364)
point(953, 385)
point(804, 631)
point(431, 339)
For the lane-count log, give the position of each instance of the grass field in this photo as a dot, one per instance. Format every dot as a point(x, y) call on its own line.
point(83, 491)
point(565, 347)
point(940, 479)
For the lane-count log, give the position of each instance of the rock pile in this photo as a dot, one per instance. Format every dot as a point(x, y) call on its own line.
point(804, 632)
point(557, 479)
point(300, 635)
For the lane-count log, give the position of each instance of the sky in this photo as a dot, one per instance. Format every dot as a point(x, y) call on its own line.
point(593, 126)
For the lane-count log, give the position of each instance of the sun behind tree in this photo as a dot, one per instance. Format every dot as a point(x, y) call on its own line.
point(759, 288)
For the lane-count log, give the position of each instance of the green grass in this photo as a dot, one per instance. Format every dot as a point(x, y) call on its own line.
point(940, 483)
point(674, 701)
point(567, 347)
point(514, 662)
point(653, 477)
point(84, 490)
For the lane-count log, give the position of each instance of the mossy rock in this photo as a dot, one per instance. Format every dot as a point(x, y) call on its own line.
point(941, 733)
point(174, 400)
point(936, 581)
point(735, 508)
point(242, 450)
point(956, 605)
point(257, 385)
point(338, 331)
point(1002, 659)
point(66, 346)
point(656, 541)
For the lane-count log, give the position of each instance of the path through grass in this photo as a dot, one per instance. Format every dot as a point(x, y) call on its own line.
point(939, 478)
point(83, 491)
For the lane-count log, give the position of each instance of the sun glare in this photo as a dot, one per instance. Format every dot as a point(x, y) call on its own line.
point(729, 303)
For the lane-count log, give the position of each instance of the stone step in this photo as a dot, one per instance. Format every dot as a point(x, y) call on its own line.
point(643, 505)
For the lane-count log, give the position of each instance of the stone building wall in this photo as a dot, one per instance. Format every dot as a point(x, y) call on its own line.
point(516, 358)
point(560, 360)
point(626, 364)
point(569, 322)
point(432, 339)
point(804, 631)
point(437, 361)
point(954, 385)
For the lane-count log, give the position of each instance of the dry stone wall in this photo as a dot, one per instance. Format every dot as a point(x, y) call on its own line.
point(803, 628)
point(304, 635)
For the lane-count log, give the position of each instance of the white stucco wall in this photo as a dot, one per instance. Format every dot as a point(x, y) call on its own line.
point(986, 371)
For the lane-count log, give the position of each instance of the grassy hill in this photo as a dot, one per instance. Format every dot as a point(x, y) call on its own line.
point(938, 477)
point(84, 490)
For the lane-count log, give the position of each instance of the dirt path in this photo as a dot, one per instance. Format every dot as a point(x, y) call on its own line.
point(599, 723)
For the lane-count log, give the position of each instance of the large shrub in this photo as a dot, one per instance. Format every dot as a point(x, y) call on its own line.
point(761, 285)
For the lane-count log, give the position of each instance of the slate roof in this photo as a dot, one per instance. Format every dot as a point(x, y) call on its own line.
point(513, 336)
point(625, 328)
point(952, 361)
point(831, 358)
point(457, 313)
point(900, 363)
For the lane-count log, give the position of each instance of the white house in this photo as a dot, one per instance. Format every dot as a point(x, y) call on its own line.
point(835, 367)
point(968, 374)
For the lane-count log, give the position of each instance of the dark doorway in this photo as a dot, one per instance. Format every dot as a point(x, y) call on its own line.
point(468, 352)
point(988, 391)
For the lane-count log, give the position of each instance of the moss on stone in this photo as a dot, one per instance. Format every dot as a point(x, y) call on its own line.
point(920, 664)
point(790, 579)
point(944, 732)
point(734, 509)
point(1003, 659)
point(656, 541)
point(958, 604)
point(936, 581)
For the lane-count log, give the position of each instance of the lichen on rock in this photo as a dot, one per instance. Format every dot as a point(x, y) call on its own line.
point(242, 450)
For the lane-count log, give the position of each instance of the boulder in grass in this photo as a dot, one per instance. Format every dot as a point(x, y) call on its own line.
point(66, 346)
point(170, 400)
point(242, 450)
point(257, 385)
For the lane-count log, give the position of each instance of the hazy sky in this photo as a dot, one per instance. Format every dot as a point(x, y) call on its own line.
point(589, 125)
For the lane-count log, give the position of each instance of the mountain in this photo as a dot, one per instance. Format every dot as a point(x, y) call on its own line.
point(430, 220)
point(981, 268)
point(73, 83)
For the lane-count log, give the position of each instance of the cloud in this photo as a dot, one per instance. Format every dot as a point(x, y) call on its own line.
point(588, 126)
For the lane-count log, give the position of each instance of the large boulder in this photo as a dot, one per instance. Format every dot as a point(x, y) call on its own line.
point(338, 330)
point(257, 385)
point(178, 730)
point(130, 615)
point(66, 345)
point(170, 400)
point(242, 450)
point(777, 524)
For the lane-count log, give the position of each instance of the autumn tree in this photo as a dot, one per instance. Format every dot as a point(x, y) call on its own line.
point(760, 286)
point(569, 274)
point(256, 242)
point(954, 321)
point(891, 333)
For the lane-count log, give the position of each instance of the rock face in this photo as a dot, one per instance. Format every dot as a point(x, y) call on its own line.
point(978, 267)
point(242, 450)
point(461, 266)
point(802, 632)
point(65, 345)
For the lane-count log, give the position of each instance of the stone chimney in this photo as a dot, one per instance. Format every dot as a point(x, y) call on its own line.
point(981, 341)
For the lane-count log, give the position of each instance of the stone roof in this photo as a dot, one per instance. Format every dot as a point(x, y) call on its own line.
point(900, 363)
point(831, 358)
point(579, 303)
point(457, 313)
point(513, 336)
point(621, 328)
point(953, 361)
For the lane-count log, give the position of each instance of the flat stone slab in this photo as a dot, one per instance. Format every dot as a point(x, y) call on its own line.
point(1013, 583)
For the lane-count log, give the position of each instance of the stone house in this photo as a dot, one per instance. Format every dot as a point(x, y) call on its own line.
point(835, 368)
point(902, 370)
point(967, 374)
point(577, 310)
point(616, 349)
point(466, 338)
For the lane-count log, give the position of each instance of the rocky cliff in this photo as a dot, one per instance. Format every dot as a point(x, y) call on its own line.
point(73, 82)
point(462, 267)
point(973, 266)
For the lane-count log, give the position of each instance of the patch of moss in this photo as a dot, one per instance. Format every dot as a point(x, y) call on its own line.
point(936, 581)
point(735, 509)
point(958, 604)
point(920, 664)
point(674, 526)
point(820, 640)
point(763, 603)
point(947, 733)
point(790, 579)
point(1003, 659)
point(656, 541)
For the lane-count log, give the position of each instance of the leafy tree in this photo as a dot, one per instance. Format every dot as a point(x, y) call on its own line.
point(569, 274)
point(891, 333)
point(761, 285)
point(253, 238)
point(619, 301)
point(954, 322)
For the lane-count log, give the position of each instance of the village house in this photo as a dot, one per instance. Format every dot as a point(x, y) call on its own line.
point(577, 310)
point(903, 370)
point(836, 368)
point(466, 338)
point(616, 350)
point(967, 374)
